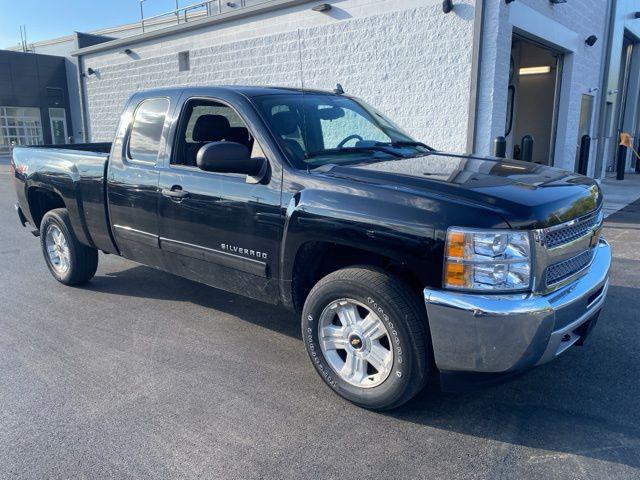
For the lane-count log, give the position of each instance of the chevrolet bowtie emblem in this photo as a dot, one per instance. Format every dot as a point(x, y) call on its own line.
point(355, 341)
point(595, 237)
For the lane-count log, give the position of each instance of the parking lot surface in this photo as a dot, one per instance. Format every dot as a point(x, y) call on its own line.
point(141, 374)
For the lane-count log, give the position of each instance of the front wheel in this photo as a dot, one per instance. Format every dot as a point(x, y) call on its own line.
point(366, 334)
point(69, 261)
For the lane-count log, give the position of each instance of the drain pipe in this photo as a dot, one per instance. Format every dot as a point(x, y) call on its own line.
point(599, 167)
point(82, 92)
point(476, 60)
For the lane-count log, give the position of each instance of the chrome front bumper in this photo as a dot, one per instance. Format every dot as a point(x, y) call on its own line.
point(506, 333)
point(21, 217)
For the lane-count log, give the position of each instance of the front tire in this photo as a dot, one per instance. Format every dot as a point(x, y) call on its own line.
point(366, 334)
point(69, 261)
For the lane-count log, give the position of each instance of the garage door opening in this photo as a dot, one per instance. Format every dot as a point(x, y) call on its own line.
point(534, 87)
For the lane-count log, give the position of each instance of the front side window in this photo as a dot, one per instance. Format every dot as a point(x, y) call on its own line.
point(315, 129)
point(146, 132)
point(205, 121)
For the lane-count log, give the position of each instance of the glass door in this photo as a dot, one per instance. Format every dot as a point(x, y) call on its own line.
point(58, 123)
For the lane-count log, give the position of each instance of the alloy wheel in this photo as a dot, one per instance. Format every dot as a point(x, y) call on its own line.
point(355, 342)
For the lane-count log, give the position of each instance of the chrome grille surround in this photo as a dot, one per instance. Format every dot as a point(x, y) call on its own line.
point(555, 237)
point(563, 253)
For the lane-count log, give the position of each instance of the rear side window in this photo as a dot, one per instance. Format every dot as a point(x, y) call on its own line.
point(204, 121)
point(148, 121)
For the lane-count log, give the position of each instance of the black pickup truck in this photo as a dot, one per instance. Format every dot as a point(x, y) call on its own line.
point(408, 265)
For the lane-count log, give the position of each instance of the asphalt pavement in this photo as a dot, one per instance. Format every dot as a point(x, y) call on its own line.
point(141, 374)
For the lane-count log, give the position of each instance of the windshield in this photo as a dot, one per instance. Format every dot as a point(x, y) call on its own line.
point(316, 129)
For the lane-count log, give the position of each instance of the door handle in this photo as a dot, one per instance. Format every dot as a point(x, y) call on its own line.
point(175, 193)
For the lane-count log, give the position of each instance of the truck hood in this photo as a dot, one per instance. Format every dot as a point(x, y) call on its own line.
point(526, 195)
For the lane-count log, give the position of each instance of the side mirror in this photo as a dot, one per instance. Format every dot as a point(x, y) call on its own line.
point(231, 157)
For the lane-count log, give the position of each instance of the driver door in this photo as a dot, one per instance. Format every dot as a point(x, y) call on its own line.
point(216, 228)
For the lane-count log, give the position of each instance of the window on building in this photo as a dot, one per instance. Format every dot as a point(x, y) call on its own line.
point(183, 61)
point(206, 121)
point(146, 132)
point(20, 126)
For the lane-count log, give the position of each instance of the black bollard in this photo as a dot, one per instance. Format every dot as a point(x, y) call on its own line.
point(499, 147)
point(622, 160)
point(583, 157)
point(526, 145)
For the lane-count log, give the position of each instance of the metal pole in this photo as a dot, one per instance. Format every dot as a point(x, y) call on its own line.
point(142, 15)
point(637, 160)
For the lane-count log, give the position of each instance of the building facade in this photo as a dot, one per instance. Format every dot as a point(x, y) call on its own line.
point(620, 107)
point(563, 76)
point(62, 47)
point(403, 56)
point(34, 100)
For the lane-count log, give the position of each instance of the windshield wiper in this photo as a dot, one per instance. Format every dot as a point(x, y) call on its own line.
point(370, 148)
point(407, 143)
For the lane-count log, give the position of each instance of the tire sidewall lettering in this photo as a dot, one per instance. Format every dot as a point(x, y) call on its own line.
point(316, 356)
point(393, 332)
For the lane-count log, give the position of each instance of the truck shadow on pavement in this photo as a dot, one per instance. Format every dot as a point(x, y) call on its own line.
point(584, 403)
point(145, 282)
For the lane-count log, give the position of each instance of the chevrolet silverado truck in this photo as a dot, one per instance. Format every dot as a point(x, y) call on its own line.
point(408, 266)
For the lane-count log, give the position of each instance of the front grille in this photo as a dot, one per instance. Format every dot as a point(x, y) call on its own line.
point(565, 269)
point(562, 235)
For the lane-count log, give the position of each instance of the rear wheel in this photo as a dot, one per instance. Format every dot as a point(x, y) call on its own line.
point(365, 332)
point(69, 261)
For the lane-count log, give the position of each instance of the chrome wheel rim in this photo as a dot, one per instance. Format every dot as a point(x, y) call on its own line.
point(355, 343)
point(57, 249)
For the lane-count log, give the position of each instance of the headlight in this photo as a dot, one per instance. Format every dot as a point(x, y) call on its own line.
point(498, 260)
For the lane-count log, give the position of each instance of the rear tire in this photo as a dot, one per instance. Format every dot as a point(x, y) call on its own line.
point(366, 334)
point(69, 261)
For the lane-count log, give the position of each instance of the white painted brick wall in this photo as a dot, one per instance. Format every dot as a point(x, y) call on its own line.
point(406, 58)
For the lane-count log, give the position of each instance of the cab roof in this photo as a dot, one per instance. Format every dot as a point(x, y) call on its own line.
point(246, 90)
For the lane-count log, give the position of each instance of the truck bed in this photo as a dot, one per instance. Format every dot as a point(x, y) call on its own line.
point(75, 174)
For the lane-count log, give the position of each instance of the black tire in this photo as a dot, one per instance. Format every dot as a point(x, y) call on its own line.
point(404, 318)
point(83, 260)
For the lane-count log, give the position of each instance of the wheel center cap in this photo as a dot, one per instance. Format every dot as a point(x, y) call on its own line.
point(355, 341)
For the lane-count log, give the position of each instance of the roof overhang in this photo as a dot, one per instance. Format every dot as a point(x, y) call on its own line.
point(194, 25)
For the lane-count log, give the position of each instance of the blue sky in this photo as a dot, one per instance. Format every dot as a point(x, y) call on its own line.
point(46, 19)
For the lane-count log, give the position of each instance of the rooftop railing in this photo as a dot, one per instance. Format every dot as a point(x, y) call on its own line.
point(209, 8)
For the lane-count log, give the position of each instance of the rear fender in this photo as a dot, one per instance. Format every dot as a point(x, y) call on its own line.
point(61, 178)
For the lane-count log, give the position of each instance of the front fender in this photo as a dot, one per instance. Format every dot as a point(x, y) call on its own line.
point(402, 233)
